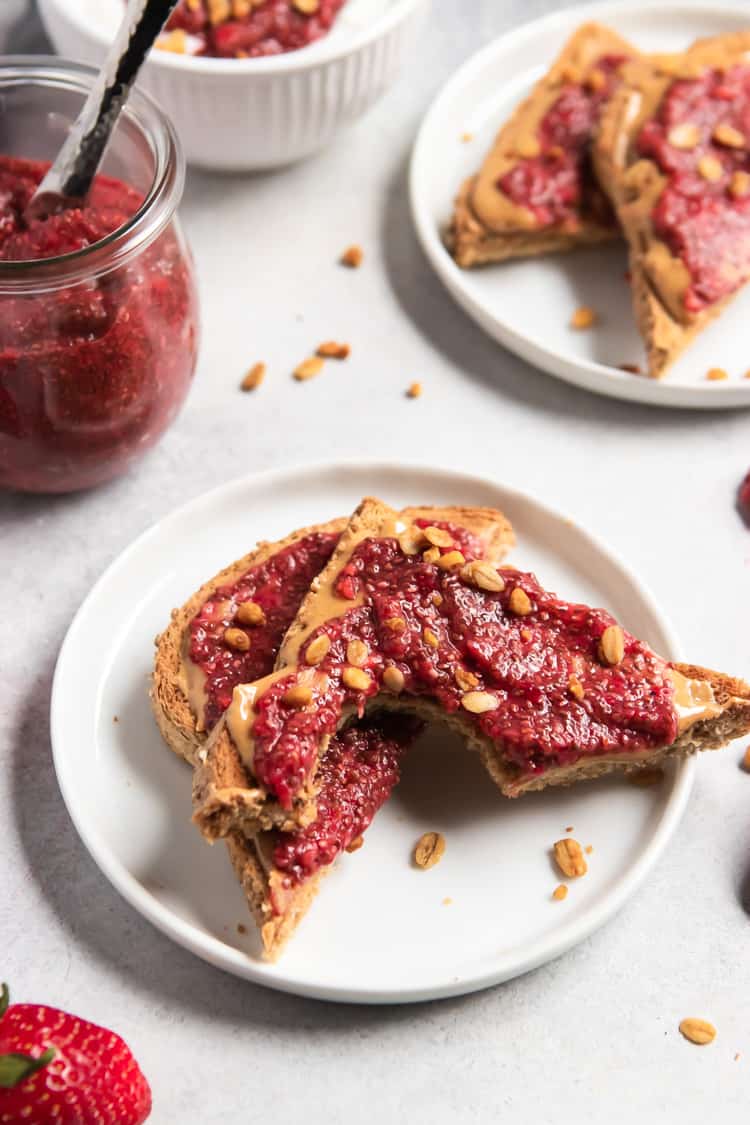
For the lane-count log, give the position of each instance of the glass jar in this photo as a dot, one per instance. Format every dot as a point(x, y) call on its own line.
point(97, 346)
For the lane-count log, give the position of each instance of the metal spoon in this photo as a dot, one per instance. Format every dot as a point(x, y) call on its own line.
point(69, 179)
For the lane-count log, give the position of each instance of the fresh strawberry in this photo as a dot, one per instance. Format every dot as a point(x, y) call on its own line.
point(56, 1069)
point(743, 499)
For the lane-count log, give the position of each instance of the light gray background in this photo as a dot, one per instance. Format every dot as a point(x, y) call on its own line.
point(590, 1038)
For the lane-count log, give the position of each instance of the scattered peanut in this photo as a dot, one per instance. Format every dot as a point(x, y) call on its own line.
point(685, 136)
point(331, 350)
point(437, 536)
point(357, 653)
point(716, 374)
point(726, 134)
point(352, 257)
point(414, 390)
point(569, 858)
point(356, 844)
point(254, 377)
point(356, 679)
point(575, 687)
point(483, 575)
point(308, 368)
point(429, 850)
point(698, 1031)
point(560, 892)
point(393, 679)
point(746, 760)
point(450, 560)
point(710, 168)
point(431, 638)
point(465, 679)
point(584, 317)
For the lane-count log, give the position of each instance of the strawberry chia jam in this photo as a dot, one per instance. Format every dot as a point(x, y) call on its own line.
point(558, 185)
point(361, 766)
point(427, 622)
point(705, 220)
point(239, 29)
point(96, 355)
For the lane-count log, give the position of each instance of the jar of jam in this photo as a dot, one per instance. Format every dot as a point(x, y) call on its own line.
point(98, 305)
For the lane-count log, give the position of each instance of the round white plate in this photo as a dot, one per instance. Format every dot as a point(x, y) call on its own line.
point(380, 930)
point(527, 305)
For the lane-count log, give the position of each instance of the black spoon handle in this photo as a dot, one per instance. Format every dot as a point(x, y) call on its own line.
point(76, 164)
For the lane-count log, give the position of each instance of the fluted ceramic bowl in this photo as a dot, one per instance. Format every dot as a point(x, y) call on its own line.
point(248, 114)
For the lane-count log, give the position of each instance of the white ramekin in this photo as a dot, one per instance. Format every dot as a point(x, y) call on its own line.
point(246, 114)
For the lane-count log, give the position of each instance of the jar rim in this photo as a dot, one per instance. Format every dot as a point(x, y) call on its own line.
point(160, 201)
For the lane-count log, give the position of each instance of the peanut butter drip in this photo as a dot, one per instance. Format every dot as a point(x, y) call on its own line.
point(694, 700)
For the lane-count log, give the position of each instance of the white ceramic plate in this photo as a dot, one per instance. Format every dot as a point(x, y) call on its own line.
point(526, 306)
point(380, 930)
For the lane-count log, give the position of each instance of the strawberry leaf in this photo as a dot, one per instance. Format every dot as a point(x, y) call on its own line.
point(4, 999)
point(16, 1068)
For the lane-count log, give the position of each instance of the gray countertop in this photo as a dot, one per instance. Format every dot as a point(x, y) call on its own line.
point(590, 1038)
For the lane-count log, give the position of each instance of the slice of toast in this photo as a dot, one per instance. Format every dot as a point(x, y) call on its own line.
point(226, 793)
point(548, 691)
point(669, 299)
point(513, 208)
point(279, 897)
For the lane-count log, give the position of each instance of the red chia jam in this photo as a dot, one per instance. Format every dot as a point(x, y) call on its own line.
point(705, 220)
point(91, 372)
point(278, 587)
point(444, 637)
point(356, 775)
point(239, 29)
point(558, 186)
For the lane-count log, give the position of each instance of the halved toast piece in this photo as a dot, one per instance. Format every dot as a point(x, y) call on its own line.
point(548, 691)
point(227, 794)
point(673, 155)
point(535, 192)
point(281, 873)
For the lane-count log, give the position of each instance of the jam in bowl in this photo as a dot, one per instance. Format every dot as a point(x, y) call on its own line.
point(98, 305)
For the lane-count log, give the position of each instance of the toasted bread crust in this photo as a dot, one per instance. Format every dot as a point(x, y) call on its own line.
point(225, 796)
point(634, 183)
point(472, 241)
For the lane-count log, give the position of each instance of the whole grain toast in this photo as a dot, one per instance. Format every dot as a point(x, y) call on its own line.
point(692, 709)
point(635, 183)
point(488, 226)
point(226, 795)
point(276, 905)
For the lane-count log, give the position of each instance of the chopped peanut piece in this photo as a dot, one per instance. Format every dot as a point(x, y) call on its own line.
point(575, 687)
point(450, 560)
point(437, 536)
point(218, 10)
point(568, 855)
point(300, 695)
point(429, 850)
point(589, 849)
point(331, 350)
point(725, 134)
point(716, 374)
point(519, 602)
point(317, 650)
point(431, 638)
point(356, 679)
point(308, 368)
point(307, 7)
point(414, 390)
point(237, 639)
point(431, 555)
point(710, 168)
point(393, 679)
point(684, 136)
point(465, 679)
point(357, 653)
point(698, 1031)
point(356, 844)
point(250, 613)
point(584, 317)
point(560, 892)
point(746, 760)
point(353, 257)
point(254, 377)
point(466, 137)
point(479, 702)
point(739, 184)
point(612, 646)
